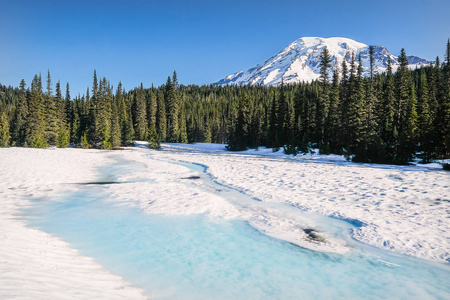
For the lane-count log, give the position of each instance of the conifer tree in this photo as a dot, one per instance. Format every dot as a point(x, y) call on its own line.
point(237, 141)
point(161, 121)
point(126, 124)
point(389, 130)
point(172, 101)
point(51, 115)
point(323, 104)
point(35, 135)
point(283, 118)
point(332, 121)
point(93, 134)
point(140, 126)
point(406, 115)
point(182, 120)
point(20, 117)
point(273, 124)
point(425, 121)
point(4, 128)
point(104, 112)
point(115, 124)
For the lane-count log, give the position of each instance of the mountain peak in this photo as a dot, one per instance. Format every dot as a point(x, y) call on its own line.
point(300, 61)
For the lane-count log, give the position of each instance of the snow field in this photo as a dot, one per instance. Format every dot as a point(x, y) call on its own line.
point(404, 209)
point(34, 264)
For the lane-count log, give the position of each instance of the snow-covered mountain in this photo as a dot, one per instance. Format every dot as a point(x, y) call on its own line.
point(300, 61)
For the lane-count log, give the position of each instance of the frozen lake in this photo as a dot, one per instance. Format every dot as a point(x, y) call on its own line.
point(198, 256)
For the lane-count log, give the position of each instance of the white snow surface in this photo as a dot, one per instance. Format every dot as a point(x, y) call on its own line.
point(300, 62)
point(34, 264)
point(401, 208)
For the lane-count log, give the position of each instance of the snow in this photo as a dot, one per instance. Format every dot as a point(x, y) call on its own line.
point(34, 264)
point(404, 209)
point(299, 61)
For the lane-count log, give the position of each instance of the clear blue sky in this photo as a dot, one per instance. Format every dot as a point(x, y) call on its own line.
point(144, 41)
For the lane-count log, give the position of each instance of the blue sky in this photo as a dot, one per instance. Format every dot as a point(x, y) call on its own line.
point(144, 41)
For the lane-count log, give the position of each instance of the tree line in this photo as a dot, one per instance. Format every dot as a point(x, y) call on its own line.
point(382, 118)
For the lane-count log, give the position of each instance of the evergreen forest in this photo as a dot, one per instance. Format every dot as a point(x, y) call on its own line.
point(393, 117)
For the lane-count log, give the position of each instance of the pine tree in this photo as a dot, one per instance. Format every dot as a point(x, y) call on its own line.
point(104, 112)
point(389, 130)
point(182, 120)
point(51, 115)
point(273, 124)
point(323, 105)
point(406, 115)
point(125, 122)
point(35, 134)
point(161, 121)
point(140, 126)
point(115, 124)
point(283, 118)
point(93, 133)
point(20, 117)
point(63, 137)
point(238, 139)
point(425, 121)
point(172, 101)
point(333, 118)
point(4, 128)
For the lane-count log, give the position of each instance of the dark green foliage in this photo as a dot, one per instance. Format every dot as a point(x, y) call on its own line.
point(237, 140)
point(4, 129)
point(140, 116)
point(384, 118)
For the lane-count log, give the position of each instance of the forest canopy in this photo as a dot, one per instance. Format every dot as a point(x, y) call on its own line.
point(382, 118)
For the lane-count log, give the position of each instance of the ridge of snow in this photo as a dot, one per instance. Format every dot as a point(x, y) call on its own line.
point(300, 61)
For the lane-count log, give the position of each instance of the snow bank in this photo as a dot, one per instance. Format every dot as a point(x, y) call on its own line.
point(34, 264)
point(402, 208)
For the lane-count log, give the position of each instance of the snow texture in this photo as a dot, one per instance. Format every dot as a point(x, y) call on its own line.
point(399, 208)
point(300, 62)
point(34, 264)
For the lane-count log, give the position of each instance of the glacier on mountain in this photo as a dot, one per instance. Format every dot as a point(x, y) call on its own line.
point(300, 61)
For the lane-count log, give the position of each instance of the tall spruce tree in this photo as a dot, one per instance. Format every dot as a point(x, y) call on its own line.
point(172, 106)
point(425, 121)
point(272, 138)
point(406, 115)
point(20, 117)
point(238, 139)
point(35, 135)
point(4, 128)
point(389, 129)
point(51, 114)
point(323, 105)
point(161, 121)
point(140, 126)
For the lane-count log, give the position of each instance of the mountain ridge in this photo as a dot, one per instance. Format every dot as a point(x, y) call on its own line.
point(300, 61)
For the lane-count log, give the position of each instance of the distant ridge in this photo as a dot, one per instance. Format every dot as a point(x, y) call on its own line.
point(300, 61)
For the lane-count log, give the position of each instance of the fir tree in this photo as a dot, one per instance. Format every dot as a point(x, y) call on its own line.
point(172, 101)
point(238, 138)
point(406, 115)
point(161, 117)
point(35, 134)
point(273, 124)
point(140, 126)
point(332, 121)
point(389, 130)
point(425, 121)
point(20, 117)
point(115, 125)
point(51, 115)
point(323, 104)
point(4, 129)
